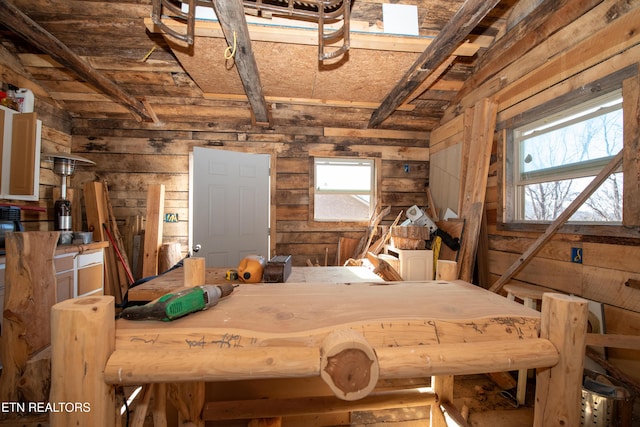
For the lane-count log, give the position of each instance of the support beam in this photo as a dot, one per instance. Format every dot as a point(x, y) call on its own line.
point(465, 20)
point(296, 406)
point(564, 323)
point(478, 141)
point(83, 336)
point(25, 27)
point(523, 260)
point(234, 25)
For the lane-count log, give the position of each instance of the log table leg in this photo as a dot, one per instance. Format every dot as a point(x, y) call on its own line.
point(348, 365)
point(82, 339)
point(188, 398)
point(558, 389)
point(442, 386)
point(159, 407)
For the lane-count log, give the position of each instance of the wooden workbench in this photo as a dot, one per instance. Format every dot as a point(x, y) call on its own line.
point(173, 279)
point(351, 336)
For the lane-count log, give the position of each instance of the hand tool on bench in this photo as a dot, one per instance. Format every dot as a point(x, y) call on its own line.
point(174, 305)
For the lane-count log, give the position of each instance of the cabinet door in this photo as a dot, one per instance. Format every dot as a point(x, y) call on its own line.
point(90, 280)
point(64, 286)
point(20, 156)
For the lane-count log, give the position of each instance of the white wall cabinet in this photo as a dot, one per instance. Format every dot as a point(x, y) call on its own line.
point(19, 155)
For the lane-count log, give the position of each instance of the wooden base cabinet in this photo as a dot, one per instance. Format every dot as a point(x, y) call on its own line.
point(79, 274)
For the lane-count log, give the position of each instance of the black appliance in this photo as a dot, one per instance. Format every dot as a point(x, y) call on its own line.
point(9, 221)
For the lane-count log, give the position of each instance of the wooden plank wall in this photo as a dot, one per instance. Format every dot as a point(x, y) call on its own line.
point(130, 156)
point(561, 60)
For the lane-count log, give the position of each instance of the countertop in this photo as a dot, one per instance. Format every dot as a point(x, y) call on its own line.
point(71, 248)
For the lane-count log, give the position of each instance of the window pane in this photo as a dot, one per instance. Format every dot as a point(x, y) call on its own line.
point(343, 176)
point(595, 138)
point(341, 207)
point(558, 156)
point(546, 201)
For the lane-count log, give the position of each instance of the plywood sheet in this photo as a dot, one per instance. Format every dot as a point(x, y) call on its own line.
point(294, 71)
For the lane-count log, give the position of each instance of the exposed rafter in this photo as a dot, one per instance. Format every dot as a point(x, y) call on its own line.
point(234, 25)
point(25, 27)
point(466, 19)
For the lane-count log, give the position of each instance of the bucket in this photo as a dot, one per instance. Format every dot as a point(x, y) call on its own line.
point(605, 401)
point(25, 100)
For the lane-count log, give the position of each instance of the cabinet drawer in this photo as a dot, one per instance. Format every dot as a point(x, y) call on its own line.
point(89, 258)
point(63, 263)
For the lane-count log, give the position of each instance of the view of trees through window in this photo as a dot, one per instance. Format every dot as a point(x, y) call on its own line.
point(560, 155)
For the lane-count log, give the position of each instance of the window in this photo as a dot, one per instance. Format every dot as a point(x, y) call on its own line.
point(557, 156)
point(344, 189)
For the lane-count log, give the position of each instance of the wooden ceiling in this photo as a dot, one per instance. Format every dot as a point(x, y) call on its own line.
point(178, 83)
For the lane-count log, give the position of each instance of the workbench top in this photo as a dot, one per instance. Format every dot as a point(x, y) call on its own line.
point(290, 308)
point(70, 248)
point(174, 279)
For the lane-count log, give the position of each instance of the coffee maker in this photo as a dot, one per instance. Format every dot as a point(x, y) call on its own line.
point(64, 165)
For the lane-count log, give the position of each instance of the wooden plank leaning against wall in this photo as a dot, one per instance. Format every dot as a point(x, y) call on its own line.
point(546, 65)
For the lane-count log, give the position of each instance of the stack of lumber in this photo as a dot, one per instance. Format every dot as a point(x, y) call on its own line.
point(133, 236)
point(101, 220)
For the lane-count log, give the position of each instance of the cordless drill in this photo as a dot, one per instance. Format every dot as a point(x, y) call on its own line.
point(174, 305)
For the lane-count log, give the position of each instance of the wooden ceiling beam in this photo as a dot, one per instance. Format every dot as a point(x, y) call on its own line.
point(466, 19)
point(309, 36)
point(230, 13)
point(29, 30)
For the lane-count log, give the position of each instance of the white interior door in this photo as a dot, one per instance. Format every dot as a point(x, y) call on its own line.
point(229, 205)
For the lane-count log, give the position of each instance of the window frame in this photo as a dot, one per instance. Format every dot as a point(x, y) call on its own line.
point(374, 192)
point(505, 220)
point(576, 170)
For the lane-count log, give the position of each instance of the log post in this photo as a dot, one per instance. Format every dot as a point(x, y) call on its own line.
point(159, 406)
point(442, 386)
point(348, 365)
point(188, 398)
point(194, 271)
point(446, 270)
point(82, 339)
point(559, 388)
point(29, 294)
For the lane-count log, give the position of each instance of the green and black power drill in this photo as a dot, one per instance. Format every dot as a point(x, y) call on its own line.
point(174, 305)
